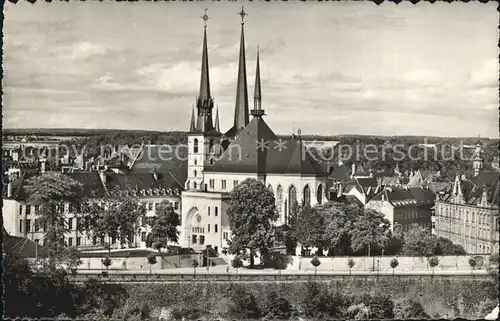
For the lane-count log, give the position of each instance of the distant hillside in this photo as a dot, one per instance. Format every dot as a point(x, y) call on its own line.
point(74, 132)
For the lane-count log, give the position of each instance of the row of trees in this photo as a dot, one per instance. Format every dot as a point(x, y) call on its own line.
point(334, 228)
point(115, 216)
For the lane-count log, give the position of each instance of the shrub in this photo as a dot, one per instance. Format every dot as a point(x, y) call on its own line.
point(106, 261)
point(472, 263)
point(380, 305)
point(433, 262)
point(394, 264)
point(243, 303)
point(277, 308)
point(409, 309)
point(350, 264)
point(237, 262)
point(358, 312)
point(319, 302)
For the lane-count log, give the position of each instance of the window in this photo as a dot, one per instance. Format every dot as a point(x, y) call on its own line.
point(20, 226)
point(20, 209)
point(78, 241)
point(28, 226)
point(208, 228)
point(194, 239)
point(195, 147)
point(37, 225)
point(292, 199)
point(202, 239)
point(70, 224)
point(224, 235)
point(37, 241)
point(209, 211)
point(195, 185)
point(70, 241)
point(235, 182)
point(215, 228)
point(28, 209)
point(211, 161)
point(306, 196)
point(195, 173)
point(37, 209)
point(212, 183)
point(143, 237)
point(94, 240)
point(113, 240)
point(279, 201)
point(433, 225)
point(102, 240)
point(195, 161)
point(216, 211)
point(150, 206)
point(176, 205)
point(223, 184)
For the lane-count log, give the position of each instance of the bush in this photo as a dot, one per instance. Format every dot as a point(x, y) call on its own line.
point(319, 302)
point(187, 312)
point(277, 308)
point(409, 309)
point(278, 261)
point(237, 262)
point(380, 305)
point(243, 304)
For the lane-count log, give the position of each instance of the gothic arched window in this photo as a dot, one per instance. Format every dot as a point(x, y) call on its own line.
point(279, 201)
point(306, 196)
point(319, 194)
point(270, 188)
point(195, 173)
point(195, 145)
point(292, 199)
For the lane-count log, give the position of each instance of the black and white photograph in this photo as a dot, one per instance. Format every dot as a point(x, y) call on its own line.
point(247, 160)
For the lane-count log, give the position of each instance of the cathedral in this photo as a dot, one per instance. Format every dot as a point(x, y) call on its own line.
point(218, 161)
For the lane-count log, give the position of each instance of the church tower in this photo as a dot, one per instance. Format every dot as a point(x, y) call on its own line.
point(204, 136)
point(478, 162)
point(241, 114)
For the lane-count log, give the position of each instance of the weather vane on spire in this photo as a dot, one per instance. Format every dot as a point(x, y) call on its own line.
point(242, 13)
point(205, 17)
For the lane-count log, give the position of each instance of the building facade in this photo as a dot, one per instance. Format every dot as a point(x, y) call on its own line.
point(466, 212)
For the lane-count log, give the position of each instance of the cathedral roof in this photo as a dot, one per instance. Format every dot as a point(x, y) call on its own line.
point(258, 150)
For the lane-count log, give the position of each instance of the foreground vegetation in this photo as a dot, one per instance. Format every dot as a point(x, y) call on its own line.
point(51, 295)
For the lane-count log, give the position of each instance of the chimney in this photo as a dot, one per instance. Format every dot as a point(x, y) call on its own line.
point(371, 175)
point(462, 177)
point(379, 182)
point(383, 197)
point(9, 189)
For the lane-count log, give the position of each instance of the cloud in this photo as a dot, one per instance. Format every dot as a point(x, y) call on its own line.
point(486, 75)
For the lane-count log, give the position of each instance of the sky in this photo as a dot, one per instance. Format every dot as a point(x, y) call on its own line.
point(327, 68)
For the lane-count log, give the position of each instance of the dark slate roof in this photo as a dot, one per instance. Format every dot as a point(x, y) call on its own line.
point(18, 192)
point(340, 173)
point(248, 154)
point(165, 160)
point(473, 189)
point(22, 246)
point(143, 181)
point(407, 197)
point(91, 183)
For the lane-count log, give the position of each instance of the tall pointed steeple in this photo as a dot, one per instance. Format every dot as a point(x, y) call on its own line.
point(192, 126)
point(257, 96)
point(217, 125)
point(241, 107)
point(204, 101)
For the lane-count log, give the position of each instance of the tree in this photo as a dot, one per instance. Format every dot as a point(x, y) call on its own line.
point(151, 260)
point(116, 216)
point(237, 263)
point(369, 231)
point(409, 309)
point(164, 229)
point(472, 263)
point(433, 262)
point(52, 191)
point(251, 214)
point(315, 262)
point(418, 241)
point(106, 261)
point(339, 219)
point(350, 264)
point(194, 264)
point(394, 264)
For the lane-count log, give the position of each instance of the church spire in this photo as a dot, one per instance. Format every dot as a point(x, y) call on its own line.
point(217, 125)
point(192, 127)
point(241, 106)
point(257, 96)
point(204, 101)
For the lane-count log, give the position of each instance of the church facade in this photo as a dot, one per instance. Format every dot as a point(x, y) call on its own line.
point(218, 161)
